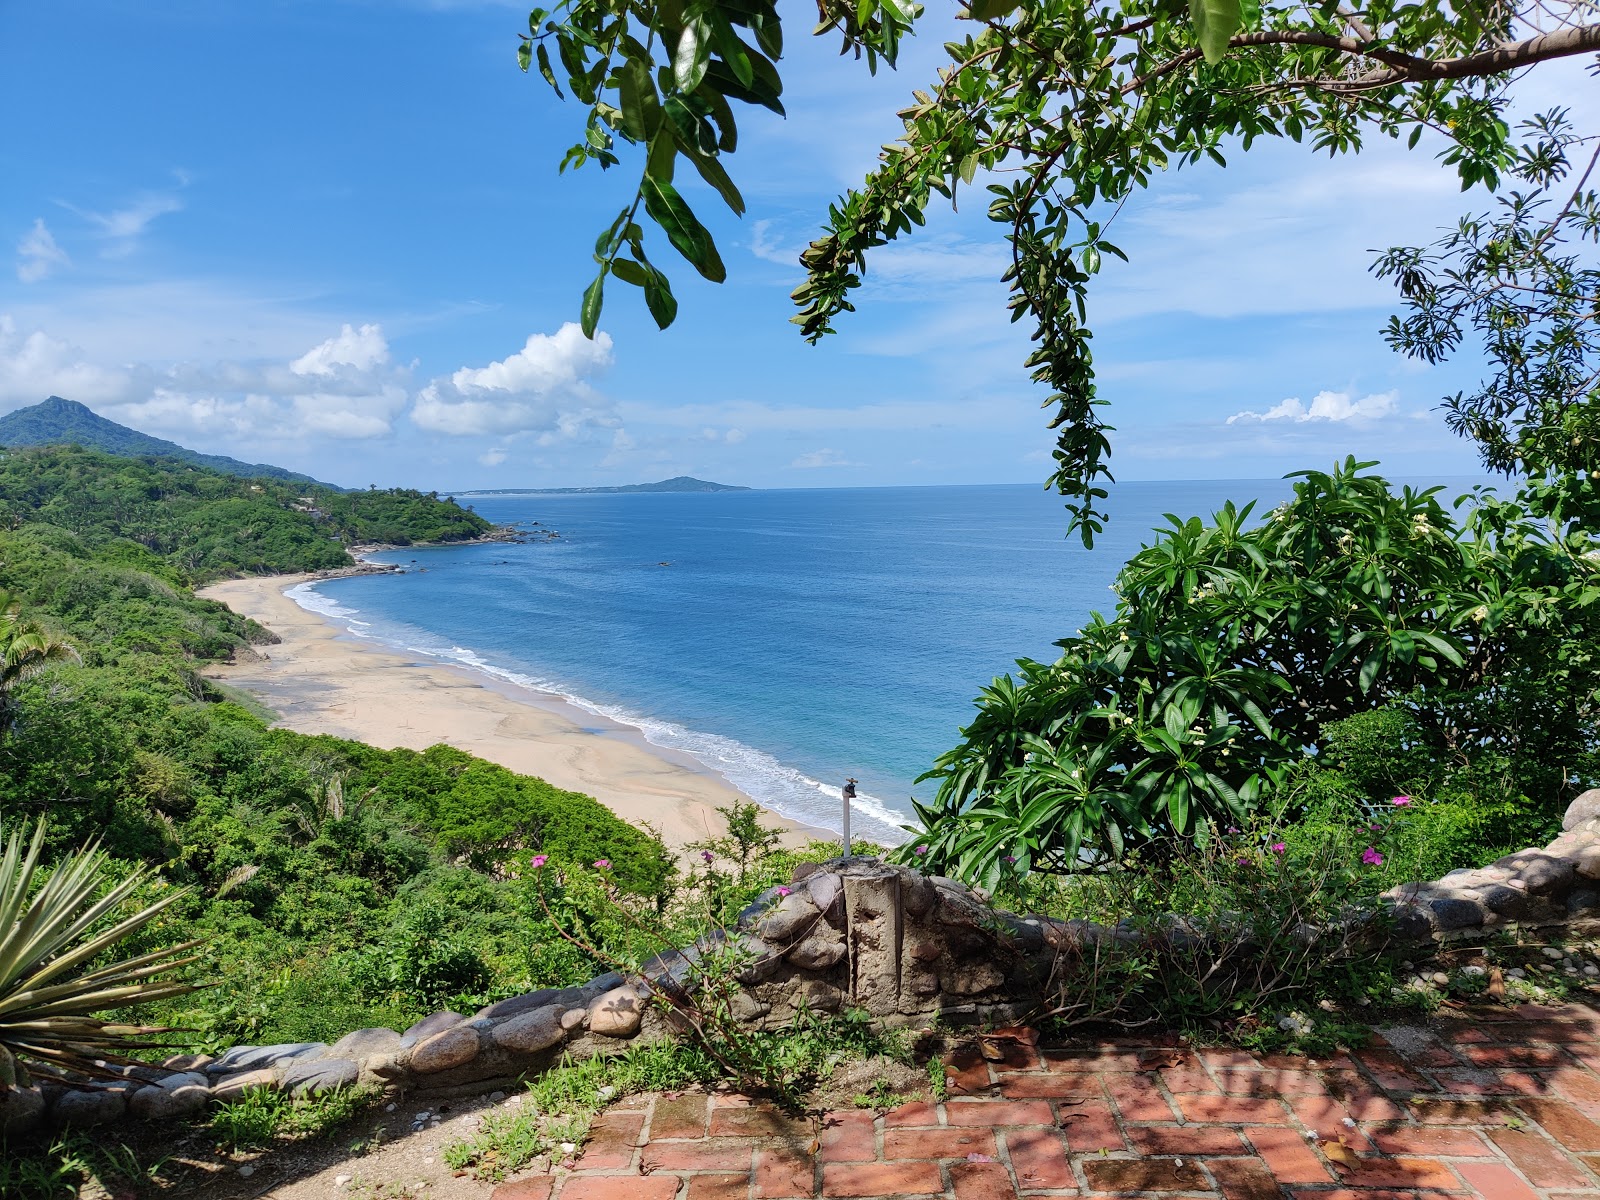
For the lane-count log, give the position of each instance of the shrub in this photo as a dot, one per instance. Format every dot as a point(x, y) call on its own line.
point(1236, 648)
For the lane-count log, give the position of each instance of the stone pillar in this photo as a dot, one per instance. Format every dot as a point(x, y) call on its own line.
point(874, 930)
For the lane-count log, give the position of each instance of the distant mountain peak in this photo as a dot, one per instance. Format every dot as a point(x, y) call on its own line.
point(57, 421)
point(678, 483)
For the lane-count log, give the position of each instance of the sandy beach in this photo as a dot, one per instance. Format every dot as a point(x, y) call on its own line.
point(321, 679)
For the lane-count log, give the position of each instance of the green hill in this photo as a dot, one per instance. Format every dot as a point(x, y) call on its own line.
point(195, 523)
point(58, 422)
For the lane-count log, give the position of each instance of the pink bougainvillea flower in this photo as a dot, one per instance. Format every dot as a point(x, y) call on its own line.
point(1278, 847)
point(782, 891)
point(539, 860)
point(922, 851)
point(1233, 829)
point(1400, 801)
point(1371, 857)
point(1374, 828)
point(707, 855)
point(602, 864)
point(1243, 861)
point(1011, 858)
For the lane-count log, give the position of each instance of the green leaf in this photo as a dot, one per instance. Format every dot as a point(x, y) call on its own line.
point(658, 298)
point(734, 52)
point(629, 271)
point(683, 229)
point(1215, 21)
point(589, 315)
point(547, 70)
point(694, 52)
point(525, 55)
point(991, 10)
point(713, 173)
point(968, 168)
point(641, 111)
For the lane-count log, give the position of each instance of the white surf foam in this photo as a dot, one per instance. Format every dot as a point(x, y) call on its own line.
point(770, 783)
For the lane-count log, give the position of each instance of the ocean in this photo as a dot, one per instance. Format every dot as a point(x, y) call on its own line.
point(785, 638)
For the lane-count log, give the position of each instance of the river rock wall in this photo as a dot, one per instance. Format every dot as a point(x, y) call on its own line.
point(906, 947)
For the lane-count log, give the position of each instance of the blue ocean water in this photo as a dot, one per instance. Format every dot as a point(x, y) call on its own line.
point(785, 638)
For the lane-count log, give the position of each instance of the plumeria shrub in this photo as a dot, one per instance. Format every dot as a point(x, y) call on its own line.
point(1238, 647)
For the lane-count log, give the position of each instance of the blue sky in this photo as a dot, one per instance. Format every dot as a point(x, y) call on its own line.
point(331, 235)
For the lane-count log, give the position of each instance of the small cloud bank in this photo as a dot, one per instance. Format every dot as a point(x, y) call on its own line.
point(38, 255)
point(543, 388)
point(822, 458)
point(1324, 406)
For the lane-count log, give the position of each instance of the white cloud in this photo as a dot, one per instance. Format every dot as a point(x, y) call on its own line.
point(823, 458)
point(362, 349)
point(543, 388)
point(1325, 406)
point(492, 458)
point(38, 255)
point(123, 227)
point(351, 394)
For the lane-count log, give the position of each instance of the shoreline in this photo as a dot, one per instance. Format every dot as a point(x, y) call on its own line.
point(320, 678)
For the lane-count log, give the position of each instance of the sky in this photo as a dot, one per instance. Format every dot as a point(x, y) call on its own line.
point(331, 235)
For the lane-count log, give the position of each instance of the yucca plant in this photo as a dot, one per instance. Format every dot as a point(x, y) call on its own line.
point(52, 931)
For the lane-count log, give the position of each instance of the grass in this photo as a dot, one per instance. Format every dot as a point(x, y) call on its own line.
point(261, 1116)
point(61, 1169)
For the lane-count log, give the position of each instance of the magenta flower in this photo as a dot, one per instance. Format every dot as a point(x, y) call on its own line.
point(782, 891)
point(1400, 801)
point(1278, 847)
point(602, 864)
point(1233, 829)
point(708, 856)
point(539, 860)
point(1011, 858)
point(1374, 828)
point(1371, 857)
point(922, 851)
point(1243, 861)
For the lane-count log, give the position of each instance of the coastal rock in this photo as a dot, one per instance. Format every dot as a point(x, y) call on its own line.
point(231, 1087)
point(1584, 809)
point(320, 1075)
point(430, 1025)
point(918, 895)
point(251, 1058)
point(449, 1048)
point(617, 1014)
point(364, 1043)
point(757, 960)
point(530, 1032)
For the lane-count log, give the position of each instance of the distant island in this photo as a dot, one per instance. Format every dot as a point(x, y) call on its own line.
point(58, 422)
point(678, 483)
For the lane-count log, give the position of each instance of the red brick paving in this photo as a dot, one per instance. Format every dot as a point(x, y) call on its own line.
point(1499, 1104)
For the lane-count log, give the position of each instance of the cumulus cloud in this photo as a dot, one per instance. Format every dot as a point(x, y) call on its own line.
point(342, 388)
point(542, 388)
point(492, 458)
point(822, 458)
point(1324, 406)
point(38, 255)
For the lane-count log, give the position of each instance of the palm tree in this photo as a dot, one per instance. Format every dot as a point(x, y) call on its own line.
point(25, 650)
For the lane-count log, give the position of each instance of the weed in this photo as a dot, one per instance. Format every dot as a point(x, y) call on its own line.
point(880, 1097)
point(262, 1115)
point(61, 1169)
point(938, 1081)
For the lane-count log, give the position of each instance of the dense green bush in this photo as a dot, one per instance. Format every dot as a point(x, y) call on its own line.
point(1237, 649)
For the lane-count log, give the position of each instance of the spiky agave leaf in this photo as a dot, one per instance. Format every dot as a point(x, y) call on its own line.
point(50, 933)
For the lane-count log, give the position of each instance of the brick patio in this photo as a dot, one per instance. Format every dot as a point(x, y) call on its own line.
point(1503, 1104)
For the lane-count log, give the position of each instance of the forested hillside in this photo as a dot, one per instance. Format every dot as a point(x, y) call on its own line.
point(196, 524)
point(339, 885)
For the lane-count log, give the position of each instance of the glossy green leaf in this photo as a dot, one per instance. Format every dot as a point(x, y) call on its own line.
point(1215, 21)
point(593, 298)
point(692, 56)
point(683, 229)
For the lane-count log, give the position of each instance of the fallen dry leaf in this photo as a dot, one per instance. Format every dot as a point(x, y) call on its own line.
point(1497, 984)
point(1340, 1154)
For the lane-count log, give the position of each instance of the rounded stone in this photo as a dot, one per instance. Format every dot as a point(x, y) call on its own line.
point(791, 917)
point(253, 1058)
point(1505, 901)
point(363, 1043)
point(430, 1025)
point(617, 1014)
point(1587, 862)
point(170, 1098)
point(1452, 913)
point(453, 1047)
point(21, 1109)
point(823, 949)
point(231, 1087)
point(574, 1018)
point(323, 1075)
point(530, 1032)
point(90, 1106)
point(1585, 808)
point(827, 893)
point(1583, 900)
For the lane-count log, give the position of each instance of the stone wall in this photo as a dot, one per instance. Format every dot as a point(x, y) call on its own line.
point(855, 932)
